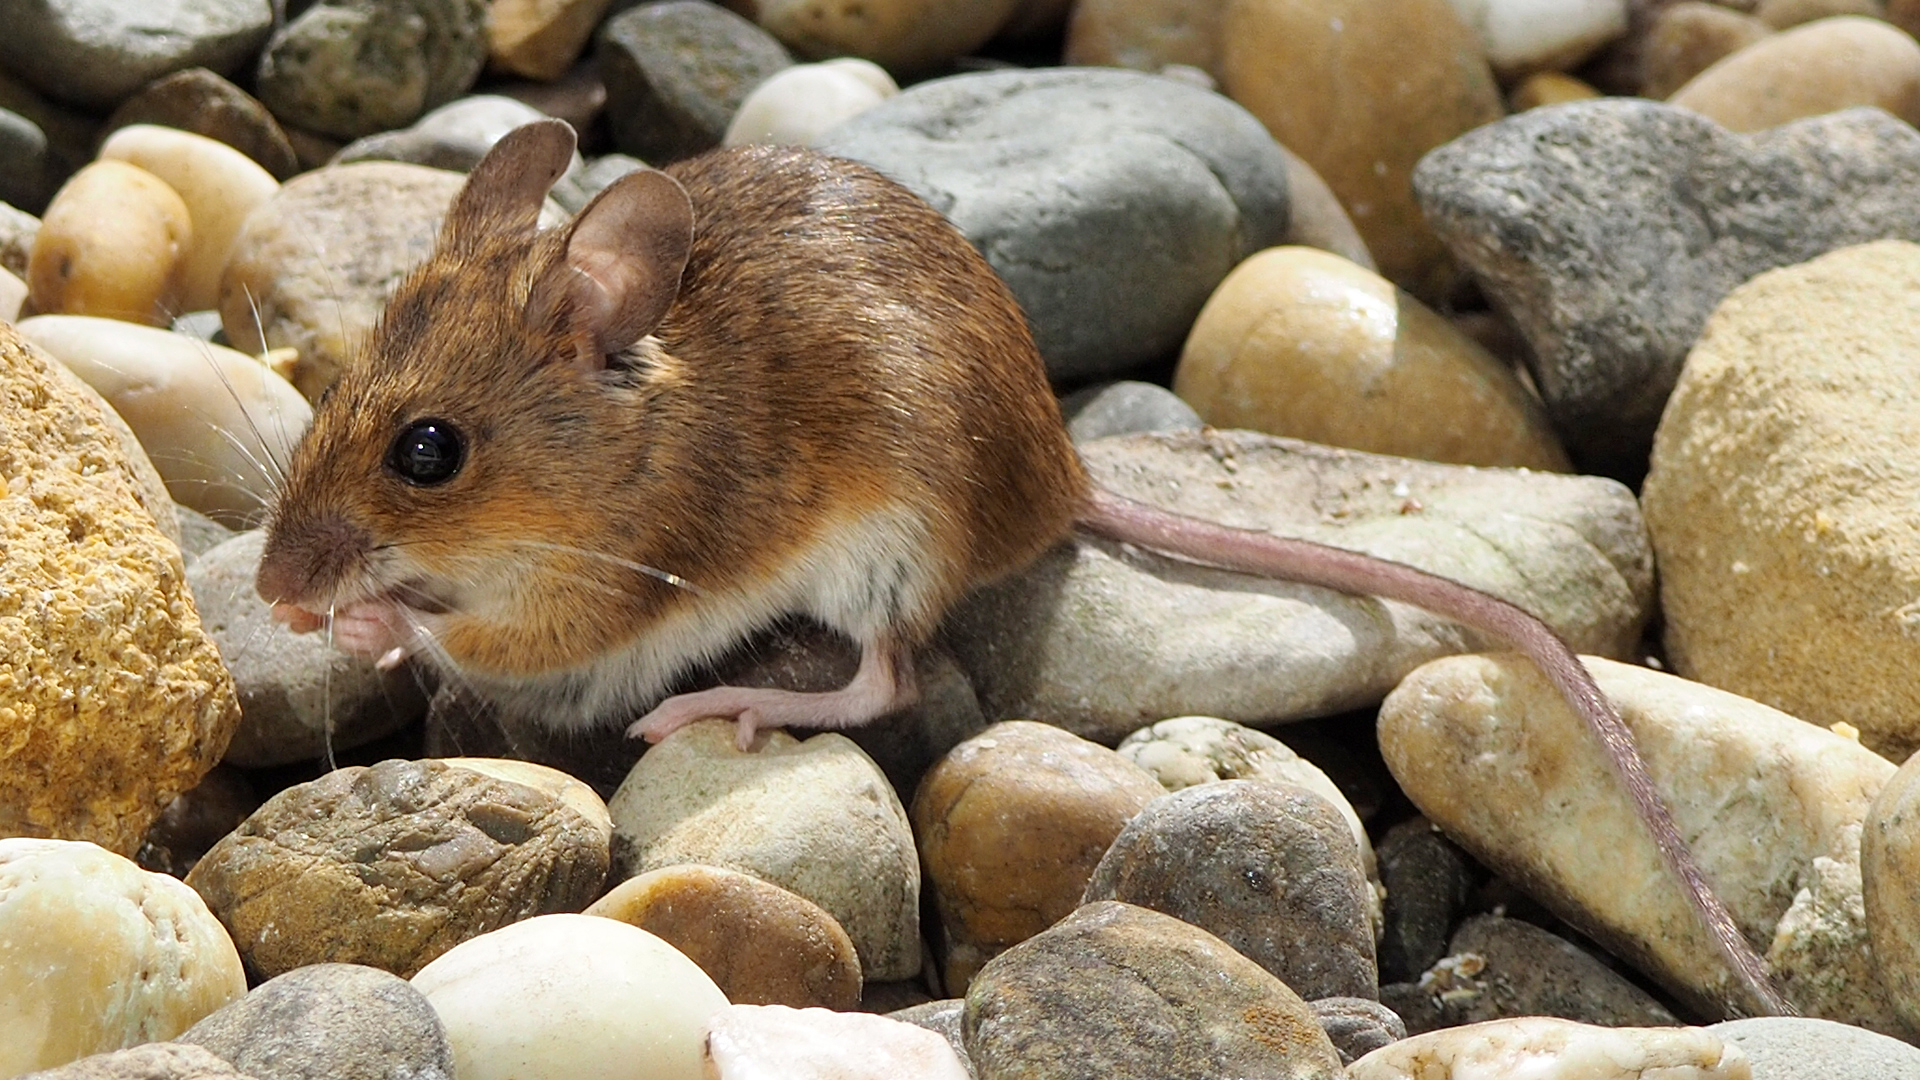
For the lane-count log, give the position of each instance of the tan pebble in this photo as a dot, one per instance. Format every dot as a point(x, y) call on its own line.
point(901, 35)
point(1302, 343)
point(1548, 88)
point(1362, 89)
point(1011, 824)
point(540, 39)
point(1818, 67)
point(1690, 37)
point(1146, 35)
point(761, 944)
point(114, 243)
point(220, 186)
point(1890, 867)
point(1782, 14)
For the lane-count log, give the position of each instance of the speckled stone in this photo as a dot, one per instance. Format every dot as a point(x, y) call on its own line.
point(349, 68)
point(202, 102)
point(93, 53)
point(339, 1021)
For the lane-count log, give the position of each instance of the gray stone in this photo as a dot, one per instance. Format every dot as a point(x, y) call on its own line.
point(197, 819)
point(944, 1017)
point(594, 179)
point(1428, 881)
point(677, 71)
point(17, 230)
point(349, 68)
point(1173, 1003)
point(1356, 1026)
point(1804, 1048)
point(1125, 408)
point(1268, 868)
point(456, 136)
point(300, 698)
point(92, 53)
point(1110, 201)
point(151, 1061)
point(199, 533)
point(202, 102)
point(24, 166)
point(1609, 229)
point(330, 1022)
point(1102, 640)
point(72, 134)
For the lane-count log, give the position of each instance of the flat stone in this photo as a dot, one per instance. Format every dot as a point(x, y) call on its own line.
point(349, 68)
point(1545, 1048)
point(677, 72)
point(202, 102)
point(1820, 67)
point(1102, 640)
point(342, 1021)
point(93, 53)
point(1609, 230)
point(113, 697)
point(1109, 201)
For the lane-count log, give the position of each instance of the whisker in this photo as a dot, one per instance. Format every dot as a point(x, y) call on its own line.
point(656, 573)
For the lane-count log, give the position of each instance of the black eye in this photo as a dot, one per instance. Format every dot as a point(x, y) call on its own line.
point(428, 452)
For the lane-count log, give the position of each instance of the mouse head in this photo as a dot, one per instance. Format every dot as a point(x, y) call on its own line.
point(452, 463)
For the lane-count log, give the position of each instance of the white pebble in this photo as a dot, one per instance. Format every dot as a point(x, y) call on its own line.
point(802, 101)
point(1544, 1048)
point(774, 1042)
point(1522, 36)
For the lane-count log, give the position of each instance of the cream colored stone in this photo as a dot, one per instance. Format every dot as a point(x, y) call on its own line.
point(220, 186)
point(901, 35)
point(1547, 1048)
point(1818, 67)
point(1548, 88)
point(1773, 809)
point(114, 242)
point(817, 818)
point(540, 39)
point(1782, 495)
point(1302, 343)
point(570, 792)
point(219, 423)
point(1362, 89)
point(97, 954)
point(1689, 37)
point(571, 997)
point(112, 699)
point(1522, 36)
point(1781, 14)
point(1890, 865)
point(1146, 35)
point(773, 1042)
point(797, 103)
point(13, 294)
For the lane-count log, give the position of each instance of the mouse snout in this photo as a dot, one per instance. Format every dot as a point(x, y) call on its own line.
point(303, 563)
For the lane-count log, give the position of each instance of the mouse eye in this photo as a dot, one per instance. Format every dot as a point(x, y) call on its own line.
point(428, 452)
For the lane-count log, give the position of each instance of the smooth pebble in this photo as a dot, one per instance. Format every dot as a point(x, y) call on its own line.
point(774, 1042)
point(1524, 36)
point(797, 104)
point(1820, 67)
point(114, 242)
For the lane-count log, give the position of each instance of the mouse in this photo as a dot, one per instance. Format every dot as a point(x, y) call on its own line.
point(571, 464)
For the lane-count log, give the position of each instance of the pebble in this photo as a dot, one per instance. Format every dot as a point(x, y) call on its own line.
point(1548, 88)
point(13, 294)
point(1357, 1026)
point(797, 104)
point(1610, 229)
point(200, 101)
point(342, 1021)
point(1068, 639)
point(91, 589)
point(909, 36)
point(71, 134)
point(300, 698)
point(1773, 807)
point(1820, 67)
point(149, 1061)
point(676, 73)
point(1520, 37)
point(1011, 824)
point(1889, 864)
point(25, 163)
point(1498, 968)
point(199, 533)
point(1781, 14)
point(93, 53)
point(1804, 1048)
point(456, 136)
point(1690, 37)
point(348, 68)
point(392, 865)
point(1124, 408)
point(1300, 342)
point(1145, 35)
point(945, 1018)
point(774, 1042)
point(1361, 89)
point(816, 817)
point(114, 242)
point(1267, 867)
point(571, 997)
point(1428, 881)
point(97, 954)
point(197, 819)
point(1110, 202)
point(219, 424)
point(17, 231)
point(1545, 1048)
point(540, 39)
point(1780, 498)
point(1175, 1003)
point(761, 944)
point(1315, 217)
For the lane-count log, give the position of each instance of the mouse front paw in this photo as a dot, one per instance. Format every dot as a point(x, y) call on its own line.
point(378, 631)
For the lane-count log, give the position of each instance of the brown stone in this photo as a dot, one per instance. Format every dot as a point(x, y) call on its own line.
point(1690, 37)
point(1818, 67)
point(112, 699)
point(540, 38)
point(1548, 88)
point(1361, 89)
point(1011, 824)
point(202, 102)
point(1146, 35)
point(759, 943)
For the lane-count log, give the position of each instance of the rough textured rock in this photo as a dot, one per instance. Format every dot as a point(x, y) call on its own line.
point(1821, 67)
point(1802, 1048)
point(775, 1042)
point(151, 1061)
point(944, 1016)
point(393, 864)
point(1781, 498)
point(1544, 1048)
point(113, 698)
point(677, 71)
point(92, 53)
point(1498, 968)
point(1111, 202)
point(814, 817)
point(1487, 750)
point(349, 68)
point(1176, 1003)
point(202, 102)
point(1102, 641)
point(1428, 881)
point(1609, 230)
point(329, 1022)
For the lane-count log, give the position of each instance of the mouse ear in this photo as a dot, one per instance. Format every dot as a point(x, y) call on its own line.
point(625, 252)
point(505, 191)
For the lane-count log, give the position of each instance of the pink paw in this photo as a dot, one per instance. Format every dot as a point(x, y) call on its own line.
point(677, 712)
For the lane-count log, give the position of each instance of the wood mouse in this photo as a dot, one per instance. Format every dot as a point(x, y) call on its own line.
point(572, 464)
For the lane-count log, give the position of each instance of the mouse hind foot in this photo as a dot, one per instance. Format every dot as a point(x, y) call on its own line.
point(883, 684)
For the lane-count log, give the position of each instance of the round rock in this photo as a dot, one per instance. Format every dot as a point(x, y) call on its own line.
point(1821, 67)
point(1688, 38)
point(200, 101)
point(677, 72)
point(114, 243)
point(393, 864)
point(92, 53)
point(349, 68)
point(1111, 202)
point(797, 104)
point(342, 1021)
point(1521, 36)
point(1123, 408)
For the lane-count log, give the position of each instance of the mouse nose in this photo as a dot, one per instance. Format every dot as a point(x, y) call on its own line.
point(302, 563)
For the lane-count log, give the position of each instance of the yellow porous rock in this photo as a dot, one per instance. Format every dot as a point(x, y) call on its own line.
point(112, 699)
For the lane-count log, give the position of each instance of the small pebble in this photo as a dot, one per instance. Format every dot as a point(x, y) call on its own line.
point(341, 1021)
point(348, 68)
point(1548, 88)
point(17, 230)
point(1543, 1048)
point(1428, 881)
point(1890, 864)
point(540, 39)
point(676, 73)
point(774, 1042)
point(797, 104)
point(93, 53)
point(1688, 38)
point(200, 101)
point(115, 243)
point(1145, 35)
point(1525, 36)
point(909, 36)
point(1123, 408)
point(1357, 1026)
point(1820, 67)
